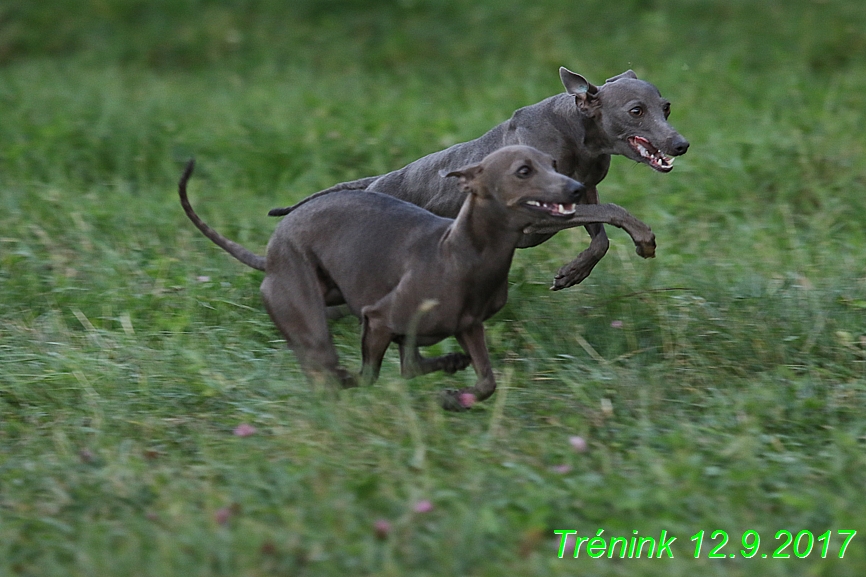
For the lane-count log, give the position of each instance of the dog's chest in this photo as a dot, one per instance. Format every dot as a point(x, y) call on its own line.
point(456, 308)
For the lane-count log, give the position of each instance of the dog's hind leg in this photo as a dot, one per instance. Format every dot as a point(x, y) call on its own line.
point(412, 364)
point(294, 301)
point(375, 338)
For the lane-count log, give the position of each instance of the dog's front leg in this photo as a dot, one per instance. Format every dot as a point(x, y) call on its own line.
point(472, 341)
point(578, 269)
point(592, 215)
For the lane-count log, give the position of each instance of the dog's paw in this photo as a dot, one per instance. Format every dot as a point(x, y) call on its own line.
point(453, 362)
point(646, 249)
point(345, 379)
point(454, 400)
point(570, 275)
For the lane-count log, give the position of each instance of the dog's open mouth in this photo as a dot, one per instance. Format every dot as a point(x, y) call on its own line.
point(651, 155)
point(552, 208)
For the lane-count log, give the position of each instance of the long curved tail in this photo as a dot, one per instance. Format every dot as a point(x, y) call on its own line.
point(242, 254)
point(360, 184)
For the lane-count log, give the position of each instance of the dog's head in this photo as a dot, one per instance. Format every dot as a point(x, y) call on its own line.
point(524, 182)
point(632, 117)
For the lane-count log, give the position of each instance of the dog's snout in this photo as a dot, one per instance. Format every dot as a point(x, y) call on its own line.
point(575, 190)
point(679, 145)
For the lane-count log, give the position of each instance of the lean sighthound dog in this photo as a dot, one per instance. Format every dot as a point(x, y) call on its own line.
point(580, 129)
point(412, 277)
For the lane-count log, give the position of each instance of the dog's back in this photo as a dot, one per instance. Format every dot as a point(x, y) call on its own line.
point(361, 242)
point(352, 221)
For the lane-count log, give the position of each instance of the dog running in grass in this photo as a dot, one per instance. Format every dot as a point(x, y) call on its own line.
point(411, 277)
point(580, 128)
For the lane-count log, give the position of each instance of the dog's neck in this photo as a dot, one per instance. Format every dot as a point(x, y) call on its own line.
point(596, 142)
point(585, 136)
point(483, 225)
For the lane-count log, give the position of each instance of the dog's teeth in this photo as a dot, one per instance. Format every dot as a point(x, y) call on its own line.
point(565, 208)
point(533, 203)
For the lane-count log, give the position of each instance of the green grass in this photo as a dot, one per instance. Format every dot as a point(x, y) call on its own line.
point(732, 396)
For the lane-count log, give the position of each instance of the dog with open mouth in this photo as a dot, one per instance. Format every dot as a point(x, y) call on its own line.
point(634, 118)
point(411, 277)
point(580, 128)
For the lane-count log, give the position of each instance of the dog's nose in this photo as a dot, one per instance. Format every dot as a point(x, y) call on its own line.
point(576, 190)
point(679, 146)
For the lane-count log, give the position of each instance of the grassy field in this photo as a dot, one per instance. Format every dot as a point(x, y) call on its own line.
point(153, 424)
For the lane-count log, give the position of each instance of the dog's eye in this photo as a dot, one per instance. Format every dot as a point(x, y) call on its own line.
point(667, 110)
point(524, 171)
point(636, 111)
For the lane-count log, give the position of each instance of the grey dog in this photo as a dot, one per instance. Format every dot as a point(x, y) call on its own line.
point(580, 129)
point(412, 277)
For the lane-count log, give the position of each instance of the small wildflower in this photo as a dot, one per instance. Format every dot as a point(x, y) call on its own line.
point(577, 443)
point(202, 278)
point(244, 430)
point(562, 469)
point(424, 506)
point(222, 515)
point(382, 528)
point(616, 324)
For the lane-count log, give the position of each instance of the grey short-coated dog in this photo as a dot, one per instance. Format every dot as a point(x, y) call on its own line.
point(580, 129)
point(412, 277)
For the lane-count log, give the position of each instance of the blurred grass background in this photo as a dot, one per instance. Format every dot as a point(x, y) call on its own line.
point(730, 397)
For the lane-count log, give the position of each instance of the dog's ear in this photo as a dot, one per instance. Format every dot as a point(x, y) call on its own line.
point(466, 177)
point(574, 83)
point(585, 93)
point(626, 74)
